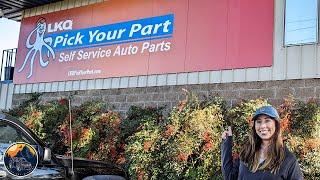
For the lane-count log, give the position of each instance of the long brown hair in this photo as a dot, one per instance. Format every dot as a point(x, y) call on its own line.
point(275, 155)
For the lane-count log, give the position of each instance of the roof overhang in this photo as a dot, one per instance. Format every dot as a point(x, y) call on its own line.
point(12, 9)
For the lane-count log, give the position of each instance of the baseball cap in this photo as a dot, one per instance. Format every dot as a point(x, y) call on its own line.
point(267, 110)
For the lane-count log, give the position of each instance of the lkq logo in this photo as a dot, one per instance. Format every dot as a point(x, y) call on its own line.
point(60, 26)
point(40, 46)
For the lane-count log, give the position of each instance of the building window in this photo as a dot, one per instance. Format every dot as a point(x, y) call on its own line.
point(301, 22)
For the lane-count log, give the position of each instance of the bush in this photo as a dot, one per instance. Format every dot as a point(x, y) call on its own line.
point(95, 132)
point(305, 137)
point(24, 108)
point(142, 151)
point(44, 119)
point(193, 146)
point(138, 116)
point(184, 145)
point(306, 120)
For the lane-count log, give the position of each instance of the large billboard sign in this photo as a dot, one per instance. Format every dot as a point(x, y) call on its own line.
point(141, 37)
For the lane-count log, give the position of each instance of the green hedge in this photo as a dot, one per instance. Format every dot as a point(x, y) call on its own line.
point(183, 145)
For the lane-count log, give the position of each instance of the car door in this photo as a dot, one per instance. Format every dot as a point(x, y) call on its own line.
point(11, 133)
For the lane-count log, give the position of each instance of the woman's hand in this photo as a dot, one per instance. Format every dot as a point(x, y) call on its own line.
point(227, 133)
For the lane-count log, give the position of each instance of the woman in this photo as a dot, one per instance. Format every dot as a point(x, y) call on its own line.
point(264, 156)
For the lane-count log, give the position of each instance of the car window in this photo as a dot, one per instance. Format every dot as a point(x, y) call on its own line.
point(9, 134)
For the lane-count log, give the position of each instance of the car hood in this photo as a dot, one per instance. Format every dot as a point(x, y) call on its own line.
point(91, 167)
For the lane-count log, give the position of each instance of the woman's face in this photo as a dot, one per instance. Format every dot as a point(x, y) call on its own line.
point(265, 127)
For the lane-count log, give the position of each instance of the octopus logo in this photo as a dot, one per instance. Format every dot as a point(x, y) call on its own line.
point(20, 159)
point(40, 44)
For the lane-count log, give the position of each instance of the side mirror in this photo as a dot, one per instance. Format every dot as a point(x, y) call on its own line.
point(47, 155)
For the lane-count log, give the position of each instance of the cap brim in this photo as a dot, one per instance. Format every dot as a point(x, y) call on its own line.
point(256, 116)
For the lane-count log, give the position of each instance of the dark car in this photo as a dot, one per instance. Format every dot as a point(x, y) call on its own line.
point(50, 166)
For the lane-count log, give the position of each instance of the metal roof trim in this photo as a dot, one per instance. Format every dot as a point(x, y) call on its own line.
point(13, 9)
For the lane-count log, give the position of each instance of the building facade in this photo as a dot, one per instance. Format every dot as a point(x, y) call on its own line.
point(236, 49)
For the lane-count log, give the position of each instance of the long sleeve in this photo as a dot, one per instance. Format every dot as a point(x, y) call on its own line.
point(295, 172)
point(230, 169)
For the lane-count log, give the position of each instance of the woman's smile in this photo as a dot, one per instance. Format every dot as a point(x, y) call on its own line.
point(265, 127)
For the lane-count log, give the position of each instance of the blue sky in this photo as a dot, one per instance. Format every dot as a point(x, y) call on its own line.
point(9, 34)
